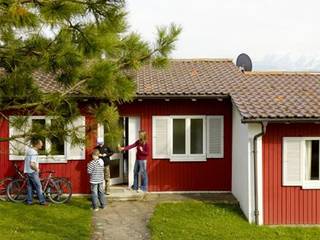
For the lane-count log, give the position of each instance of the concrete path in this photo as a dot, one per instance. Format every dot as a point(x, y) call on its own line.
point(123, 220)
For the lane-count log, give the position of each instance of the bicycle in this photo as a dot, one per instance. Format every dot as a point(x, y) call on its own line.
point(57, 190)
point(5, 182)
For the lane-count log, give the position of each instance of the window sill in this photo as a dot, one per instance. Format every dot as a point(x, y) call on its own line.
point(43, 159)
point(311, 185)
point(52, 159)
point(188, 159)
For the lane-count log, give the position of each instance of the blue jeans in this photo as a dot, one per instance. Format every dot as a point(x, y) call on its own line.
point(34, 182)
point(97, 193)
point(140, 167)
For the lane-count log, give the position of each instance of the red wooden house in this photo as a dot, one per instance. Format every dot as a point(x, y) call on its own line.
point(213, 128)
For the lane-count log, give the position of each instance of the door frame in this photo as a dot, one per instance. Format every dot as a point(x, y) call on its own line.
point(133, 135)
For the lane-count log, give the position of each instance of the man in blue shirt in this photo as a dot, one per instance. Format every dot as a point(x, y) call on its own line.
point(31, 168)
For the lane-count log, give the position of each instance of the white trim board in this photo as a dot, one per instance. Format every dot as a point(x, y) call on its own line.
point(186, 192)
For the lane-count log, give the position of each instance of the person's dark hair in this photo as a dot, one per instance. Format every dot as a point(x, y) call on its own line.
point(34, 141)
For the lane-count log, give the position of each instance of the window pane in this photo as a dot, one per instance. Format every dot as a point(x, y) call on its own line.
point(196, 136)
point(37, 126)
point(179, 136)
point(312, 160)
point(57, 142)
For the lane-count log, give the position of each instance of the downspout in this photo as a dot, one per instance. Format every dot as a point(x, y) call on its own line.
point(256, 195)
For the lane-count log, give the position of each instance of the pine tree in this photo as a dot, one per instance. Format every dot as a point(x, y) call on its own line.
point(88, 48)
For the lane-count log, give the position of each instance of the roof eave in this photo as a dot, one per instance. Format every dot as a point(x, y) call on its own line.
point(168, 96)
point(281, 120)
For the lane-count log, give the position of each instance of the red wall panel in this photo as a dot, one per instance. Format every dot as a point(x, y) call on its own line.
point(75, 170)
point(214, 174)
point(286, 204)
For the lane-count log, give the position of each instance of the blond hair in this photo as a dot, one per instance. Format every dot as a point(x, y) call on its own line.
point(143, 136)
point(95, 152)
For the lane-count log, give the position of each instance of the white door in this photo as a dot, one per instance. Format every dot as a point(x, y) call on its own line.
point(133, 135)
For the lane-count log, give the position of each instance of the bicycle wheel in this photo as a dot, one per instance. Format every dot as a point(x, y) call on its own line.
point(3, 187)
point(17, 190)
point(59, 190)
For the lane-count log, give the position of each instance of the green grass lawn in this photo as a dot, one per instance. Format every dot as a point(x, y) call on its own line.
point(204, 220)
point(66, 221)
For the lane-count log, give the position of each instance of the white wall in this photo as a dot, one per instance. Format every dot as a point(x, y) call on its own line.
point(243, 166)
point(240, 166)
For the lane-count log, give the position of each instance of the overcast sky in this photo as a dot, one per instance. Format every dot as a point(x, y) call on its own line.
point(276, 34)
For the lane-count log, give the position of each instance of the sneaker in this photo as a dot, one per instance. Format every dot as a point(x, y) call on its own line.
point(96, 209)
point(107, 193)
point(139, 191)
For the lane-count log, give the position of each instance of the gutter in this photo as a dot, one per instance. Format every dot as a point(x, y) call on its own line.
point(256, 194)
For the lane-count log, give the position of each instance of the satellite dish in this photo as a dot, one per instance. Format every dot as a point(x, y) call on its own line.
point(244, 62)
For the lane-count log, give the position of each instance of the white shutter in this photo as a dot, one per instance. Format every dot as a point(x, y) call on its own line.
point(292, 161)
point(17, 147)
point(77, 152)
point(160, 137)
point(215, 137)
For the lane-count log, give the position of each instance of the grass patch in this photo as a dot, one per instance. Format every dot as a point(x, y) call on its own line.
point(65, 221)
point(205, 220)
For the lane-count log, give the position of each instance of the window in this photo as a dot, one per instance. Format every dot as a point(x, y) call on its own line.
point(312, 160)
point(187, 138)
point(55, 149)
point(301, 160)
point(196, 136)
point(53, 146)
point(179, 136)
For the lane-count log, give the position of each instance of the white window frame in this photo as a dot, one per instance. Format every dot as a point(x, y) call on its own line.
point(309, 184)
point(48, 158)
point(188, 156)
point(305, 184)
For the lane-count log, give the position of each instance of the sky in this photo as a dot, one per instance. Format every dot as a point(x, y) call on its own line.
point(276, 34)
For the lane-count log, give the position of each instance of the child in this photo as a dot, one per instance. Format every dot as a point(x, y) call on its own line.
point(95, 170)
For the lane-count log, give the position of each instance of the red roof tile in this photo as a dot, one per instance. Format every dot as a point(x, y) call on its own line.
point(278, 95)
point(47, 82)
point(188, 78)
point(257, 95)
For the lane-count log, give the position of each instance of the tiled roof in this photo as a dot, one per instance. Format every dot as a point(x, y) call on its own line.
point(278, 95)
point(47, 82)
point(191, 77)
point(257, 95)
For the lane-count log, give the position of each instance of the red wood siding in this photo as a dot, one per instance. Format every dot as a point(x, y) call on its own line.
point(286, 205)
point(214, 174)
point(75, 170)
